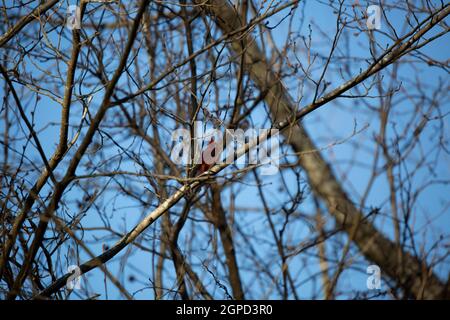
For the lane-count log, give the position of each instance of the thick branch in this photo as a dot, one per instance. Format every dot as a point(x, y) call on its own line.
point(36, 13)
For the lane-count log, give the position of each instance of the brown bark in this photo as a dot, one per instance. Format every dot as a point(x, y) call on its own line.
point(220, 222)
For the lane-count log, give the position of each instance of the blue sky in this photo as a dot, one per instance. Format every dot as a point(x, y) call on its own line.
point(334, 121)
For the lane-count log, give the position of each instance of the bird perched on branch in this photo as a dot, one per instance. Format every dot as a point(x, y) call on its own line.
point(208, 158)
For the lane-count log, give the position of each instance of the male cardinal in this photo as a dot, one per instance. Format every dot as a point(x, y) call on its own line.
point(209, 158)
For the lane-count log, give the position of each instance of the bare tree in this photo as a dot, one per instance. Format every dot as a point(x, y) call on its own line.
point(93, 92)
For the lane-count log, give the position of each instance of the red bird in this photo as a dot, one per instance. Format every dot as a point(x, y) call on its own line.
point(209, 158)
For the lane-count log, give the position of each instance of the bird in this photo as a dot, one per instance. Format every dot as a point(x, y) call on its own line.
point(208, 158)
